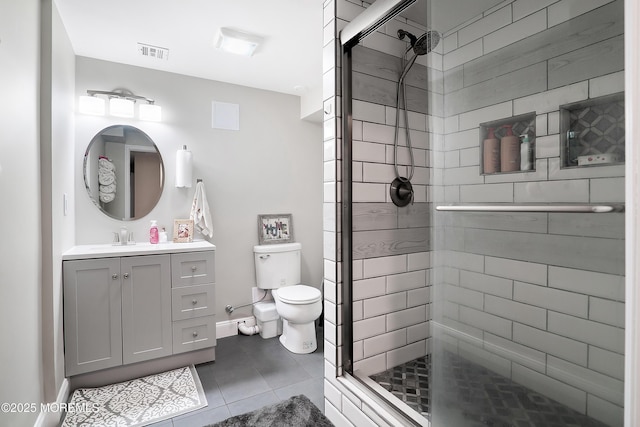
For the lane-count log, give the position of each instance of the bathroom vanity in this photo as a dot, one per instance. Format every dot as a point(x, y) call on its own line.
point(132, 310)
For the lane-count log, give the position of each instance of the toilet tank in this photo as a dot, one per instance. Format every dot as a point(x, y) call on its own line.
point(277, 265)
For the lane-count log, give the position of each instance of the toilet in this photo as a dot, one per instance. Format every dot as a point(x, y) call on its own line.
point(278, 270)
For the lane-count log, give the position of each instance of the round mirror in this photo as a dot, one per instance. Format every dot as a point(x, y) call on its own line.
point(123, 172)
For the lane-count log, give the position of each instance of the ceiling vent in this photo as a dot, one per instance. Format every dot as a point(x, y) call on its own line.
point(154, 52)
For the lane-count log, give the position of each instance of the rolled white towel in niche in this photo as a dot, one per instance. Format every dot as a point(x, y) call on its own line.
point(106, 177)
point(111, 188)
point(106, 164)
point(107, 197)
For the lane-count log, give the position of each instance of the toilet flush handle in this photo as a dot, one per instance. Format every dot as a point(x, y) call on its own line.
point(264, 256)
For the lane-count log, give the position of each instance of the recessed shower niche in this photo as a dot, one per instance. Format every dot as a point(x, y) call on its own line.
point(508, 145)
point(592, 132)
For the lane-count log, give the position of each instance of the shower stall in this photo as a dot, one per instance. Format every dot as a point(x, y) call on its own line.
point(481, 209)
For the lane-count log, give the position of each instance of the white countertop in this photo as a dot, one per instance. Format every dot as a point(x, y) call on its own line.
point(109, 250)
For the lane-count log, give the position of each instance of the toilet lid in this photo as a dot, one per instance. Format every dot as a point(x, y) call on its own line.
point(299, 294)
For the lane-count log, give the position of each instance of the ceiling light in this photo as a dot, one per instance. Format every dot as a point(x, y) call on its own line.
point(237, 42)
point(91, 105)
point(121, 107)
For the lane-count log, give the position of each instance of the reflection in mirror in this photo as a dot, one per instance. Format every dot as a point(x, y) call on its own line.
point(123, 172)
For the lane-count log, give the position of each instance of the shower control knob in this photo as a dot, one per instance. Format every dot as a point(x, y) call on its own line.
point(194, 302)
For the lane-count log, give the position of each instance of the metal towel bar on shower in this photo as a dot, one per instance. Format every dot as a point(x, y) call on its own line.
point(533, 208)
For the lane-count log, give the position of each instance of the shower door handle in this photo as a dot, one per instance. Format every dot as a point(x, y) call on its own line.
point(533, 208)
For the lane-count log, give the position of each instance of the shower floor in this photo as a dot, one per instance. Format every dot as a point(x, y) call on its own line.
point(472, 395)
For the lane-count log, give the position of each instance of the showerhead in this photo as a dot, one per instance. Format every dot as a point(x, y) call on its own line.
point(422, 45)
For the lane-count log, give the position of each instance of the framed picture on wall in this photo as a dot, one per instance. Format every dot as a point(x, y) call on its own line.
point(275, 229)
point(182, 230)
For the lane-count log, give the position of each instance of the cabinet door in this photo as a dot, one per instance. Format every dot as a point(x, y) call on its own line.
point(146, 307)
point(92, 320)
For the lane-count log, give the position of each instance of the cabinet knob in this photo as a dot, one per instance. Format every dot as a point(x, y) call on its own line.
point(194, 268)
point(194, 302)
point(125, 275)
point(114, 276)
point(195, 334)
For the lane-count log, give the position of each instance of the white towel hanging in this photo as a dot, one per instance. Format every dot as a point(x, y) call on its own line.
point(200, 212)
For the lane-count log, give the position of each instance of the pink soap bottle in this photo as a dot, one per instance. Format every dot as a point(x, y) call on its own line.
point(153, 232)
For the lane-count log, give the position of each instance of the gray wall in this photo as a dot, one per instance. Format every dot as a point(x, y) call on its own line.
point(272, 165)
point(20, 317)
point(538, 298)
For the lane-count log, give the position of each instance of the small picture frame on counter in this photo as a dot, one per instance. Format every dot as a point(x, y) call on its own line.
point(182, 230)
point(276, 228)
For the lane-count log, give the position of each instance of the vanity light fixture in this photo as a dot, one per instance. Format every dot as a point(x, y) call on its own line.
point(121, 104)
point(237, 42)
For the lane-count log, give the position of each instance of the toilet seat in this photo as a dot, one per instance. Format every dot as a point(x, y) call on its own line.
point(298, 294)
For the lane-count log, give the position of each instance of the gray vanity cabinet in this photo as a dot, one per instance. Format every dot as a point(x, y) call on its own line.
point(92, 315)
point(116, 311)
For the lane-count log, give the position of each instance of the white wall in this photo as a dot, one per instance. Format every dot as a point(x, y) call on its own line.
point(20, 368)
point(271, 165)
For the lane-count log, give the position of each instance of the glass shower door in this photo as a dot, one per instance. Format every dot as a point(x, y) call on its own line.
point(527, 295)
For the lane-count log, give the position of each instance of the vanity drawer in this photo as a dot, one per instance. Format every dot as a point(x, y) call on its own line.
point(194, 334)
point(188, 302)
point(194, 268)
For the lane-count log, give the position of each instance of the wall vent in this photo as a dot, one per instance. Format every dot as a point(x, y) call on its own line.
point(154, 52)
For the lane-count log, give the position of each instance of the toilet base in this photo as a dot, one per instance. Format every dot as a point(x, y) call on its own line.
point(299, 338)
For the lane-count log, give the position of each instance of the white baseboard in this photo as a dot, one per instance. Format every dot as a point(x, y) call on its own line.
point(229, 328)
point(52, 419)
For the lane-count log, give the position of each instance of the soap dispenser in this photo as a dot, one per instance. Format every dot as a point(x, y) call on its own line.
point(153, 232)
point(526, 153)
point(509, 151)
point(491, 153)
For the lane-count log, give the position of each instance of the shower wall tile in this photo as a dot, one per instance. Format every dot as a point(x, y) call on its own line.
point(460, 331)
point(419, 156)
point(384, 266)
point(521, 354)
point(553, 122)
point(463, 54)
point(568, 9)
point(570, 396)
point(357, 310)
point(587, 331)
point(465, 297)
point(452, 159)
point(606, 311)
point(541, 127)
point(550, 343)
point(383, 243)
point(517, 270)
point(552, 299)
point(573, 191)
point(518, 312)
point(519, 30)
point(404, 354)
point(384, 304)
point(592, 61)
point(470, 156)
point(606, 362)
point(487, 322)
point(522, 8)
point(607, 190)
point(417, 333)
point(365, 192)
point(406, 281)
point(376, 172)
point(372, 132)
point(450, 42)
point(418, 297)
point(385, 342)
point(368, 112)
point(604, 411)
point(367, 288)
point(463, 175)
point(484, 26)
point(368, 328)
point(610, 226)
point(487, 193)
point(453, 79)
point(606, 85)
point(417, 261)
point(502, 88)
point(461, 140)
point(370, 366)
point(486, 284)
point(556, 173)
point(547, 146)
point(592, 382)
point(406, 318)
point(465, 261)
point(472, 119)
point(530, 222)
point(546, 102)
point(451, 124)
point(374, 216)
point(606, 286)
